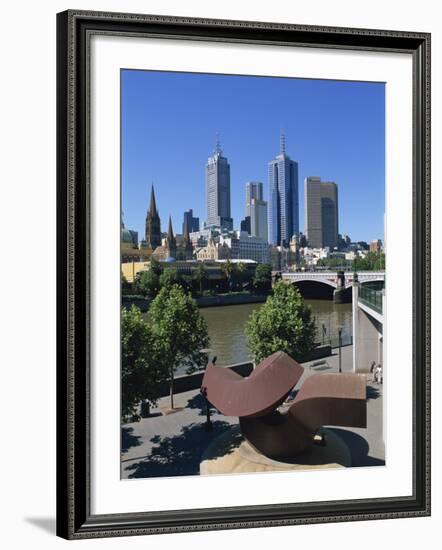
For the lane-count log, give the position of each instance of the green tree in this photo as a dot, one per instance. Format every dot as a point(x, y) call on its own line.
point(170, 277)
point(283, 323)
point(200, 275)
point(263, 277)
point(179, 330)
point(240, 273)
point(147, 283)
point(228, 269)
point(125, 285)
point(141, 370)
point(372, 261)
point(155, 267)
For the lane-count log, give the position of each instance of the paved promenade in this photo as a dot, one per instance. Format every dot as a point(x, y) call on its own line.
point(172, 444)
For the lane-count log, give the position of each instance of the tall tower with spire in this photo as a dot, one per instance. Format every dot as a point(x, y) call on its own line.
point(171, 241)
point(283, 209)
point(153, 223)
point(218, 189)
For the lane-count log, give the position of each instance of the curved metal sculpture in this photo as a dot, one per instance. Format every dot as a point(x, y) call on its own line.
point(324, 399)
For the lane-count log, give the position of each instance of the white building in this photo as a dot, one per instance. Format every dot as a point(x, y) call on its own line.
point(253, 248)
point(258, 219)
point(312, 255)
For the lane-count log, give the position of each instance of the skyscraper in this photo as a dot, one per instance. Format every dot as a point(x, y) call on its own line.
point(283, 198)
point(321, 212)
point(253, 191)
point(193, 224)
point(258, 219)
point(218, 190)
point(153, 224)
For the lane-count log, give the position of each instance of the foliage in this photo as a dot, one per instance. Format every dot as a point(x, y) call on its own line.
point(283, 323)
point(333, 262)
point(170, 277)
point(228, 269)
point(147, 283)
point(240, 273)
point(200, 275)
point(141, 371)
point(179, 330)
point(373, 261)
point(125, 285)
point(155, 267)
point(263, 277)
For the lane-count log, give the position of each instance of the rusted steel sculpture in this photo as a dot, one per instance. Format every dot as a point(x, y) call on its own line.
point(324, 399)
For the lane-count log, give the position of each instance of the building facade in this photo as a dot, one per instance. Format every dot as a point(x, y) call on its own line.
point(321, 213)
point(258, 219)
point(245, 224)
point(213, 251)
point(283, 208)
point(253, 248)
point(253, 191)
point(218, 190)
point(376, 246)
point(193, 224)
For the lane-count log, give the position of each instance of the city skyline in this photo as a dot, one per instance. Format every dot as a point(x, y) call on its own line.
point(140, 151)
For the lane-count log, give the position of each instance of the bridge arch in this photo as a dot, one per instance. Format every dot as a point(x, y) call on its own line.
point(314, 289)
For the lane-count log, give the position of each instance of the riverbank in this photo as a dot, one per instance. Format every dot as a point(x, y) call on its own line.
point(231, 299)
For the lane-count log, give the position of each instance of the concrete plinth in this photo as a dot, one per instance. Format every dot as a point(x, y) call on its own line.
point(339, 296)
point(225, 457)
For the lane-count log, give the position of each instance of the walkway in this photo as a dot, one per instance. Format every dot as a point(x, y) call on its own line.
point(173, 444)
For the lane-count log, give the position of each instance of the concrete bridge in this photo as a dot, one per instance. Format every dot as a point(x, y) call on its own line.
point(331, 278)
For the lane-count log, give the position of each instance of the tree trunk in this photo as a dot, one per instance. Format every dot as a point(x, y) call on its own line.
point(171, 388)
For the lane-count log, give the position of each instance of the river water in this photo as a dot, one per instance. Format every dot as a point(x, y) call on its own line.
point(226, 327)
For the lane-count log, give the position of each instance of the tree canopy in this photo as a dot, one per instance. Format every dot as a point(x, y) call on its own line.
point(283, 323)
point(170, 277)
point(263, 277)
point(179, 329)
point(142, 372)
point(200, 275)
point(147, 283)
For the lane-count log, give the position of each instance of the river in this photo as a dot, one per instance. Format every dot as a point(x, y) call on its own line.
point(226, 327)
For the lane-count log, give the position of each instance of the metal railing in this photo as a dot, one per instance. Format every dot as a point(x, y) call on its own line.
point(371, 298)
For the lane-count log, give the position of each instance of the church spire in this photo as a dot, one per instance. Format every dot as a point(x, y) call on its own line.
point(171, 241)
point(153, 223)
point(153, 205)
point(170, 235)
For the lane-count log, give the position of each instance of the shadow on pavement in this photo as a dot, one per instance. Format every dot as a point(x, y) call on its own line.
point(128, 440)
point(197, 402)
point(358, 448)
point(372, 393)
point(181, 454)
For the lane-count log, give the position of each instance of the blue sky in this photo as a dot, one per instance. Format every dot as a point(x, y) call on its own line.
point(334, 129)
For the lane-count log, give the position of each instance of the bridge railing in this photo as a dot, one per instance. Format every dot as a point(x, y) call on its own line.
point(371, 298)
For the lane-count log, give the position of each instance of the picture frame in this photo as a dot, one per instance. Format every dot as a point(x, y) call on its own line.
point(75, 518)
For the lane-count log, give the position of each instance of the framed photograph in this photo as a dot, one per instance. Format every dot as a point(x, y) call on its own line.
point(243, 274)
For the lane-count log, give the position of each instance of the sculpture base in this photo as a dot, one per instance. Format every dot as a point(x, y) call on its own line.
point(221, 458)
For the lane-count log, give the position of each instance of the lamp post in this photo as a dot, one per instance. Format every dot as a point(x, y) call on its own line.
point(203, 390)
point(340, 346)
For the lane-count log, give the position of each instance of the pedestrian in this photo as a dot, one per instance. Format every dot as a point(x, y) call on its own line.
point(373, 371)
point(378, 374)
